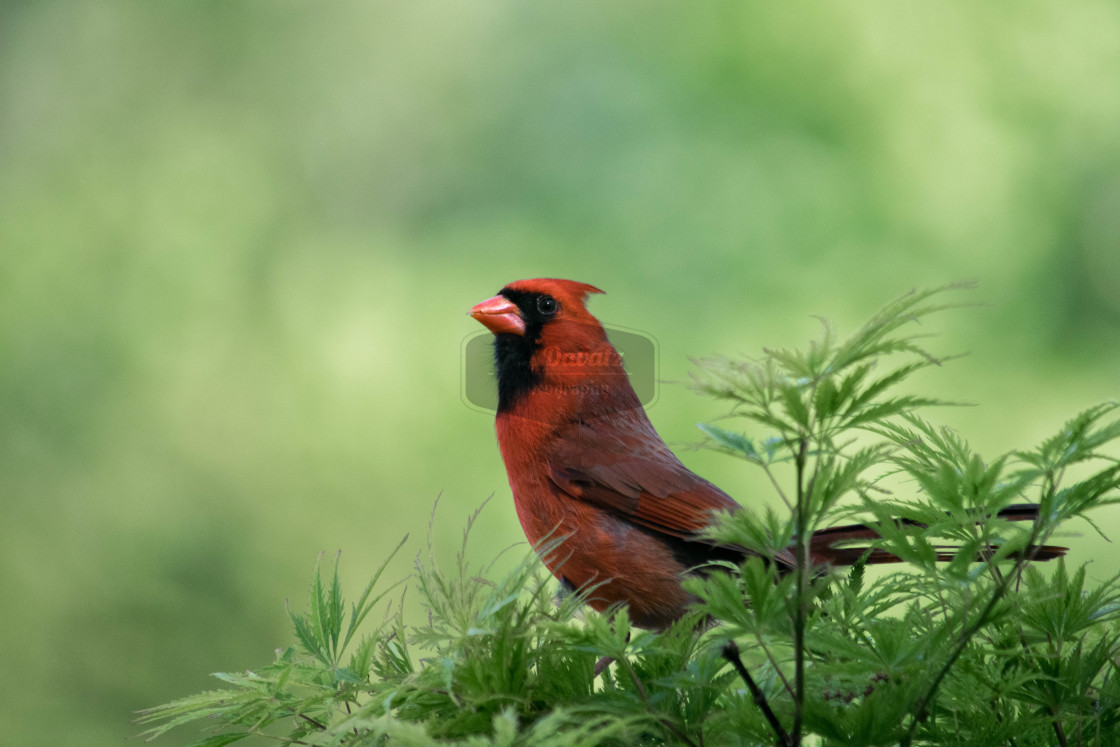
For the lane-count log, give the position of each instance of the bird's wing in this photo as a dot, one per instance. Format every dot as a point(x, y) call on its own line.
point(623, 470)
point(641, 491)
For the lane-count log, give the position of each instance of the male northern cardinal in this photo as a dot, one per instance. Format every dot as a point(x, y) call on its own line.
point(586, 465)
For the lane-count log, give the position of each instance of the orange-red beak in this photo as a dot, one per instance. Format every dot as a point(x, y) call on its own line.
point(500, 315)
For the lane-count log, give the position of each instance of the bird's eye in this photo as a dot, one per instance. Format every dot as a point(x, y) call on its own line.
point(547, 305)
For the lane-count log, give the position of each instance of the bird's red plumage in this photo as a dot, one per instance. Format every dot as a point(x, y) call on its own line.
point(585, 463)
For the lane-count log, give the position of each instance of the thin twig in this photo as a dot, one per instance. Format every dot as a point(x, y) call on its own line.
point(773, 662)
point(776, 484)
point(1060, 733)
point(312, 721)
point(731, 653)
point(601, 665)
point(800, 612)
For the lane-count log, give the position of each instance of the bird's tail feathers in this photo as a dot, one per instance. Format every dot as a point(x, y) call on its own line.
point(841, 545)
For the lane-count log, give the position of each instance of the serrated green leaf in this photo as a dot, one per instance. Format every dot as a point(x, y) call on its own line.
point(735, 442)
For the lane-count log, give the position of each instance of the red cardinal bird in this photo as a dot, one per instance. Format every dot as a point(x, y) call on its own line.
point(585, 463)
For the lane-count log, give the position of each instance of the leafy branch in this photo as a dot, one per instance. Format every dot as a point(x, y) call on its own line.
point(967, 639)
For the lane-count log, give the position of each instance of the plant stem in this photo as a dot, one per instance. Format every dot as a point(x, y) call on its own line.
point(313, 722)
point(800, 612)
point(773, 662)
point(1060, 733)
point(731, 653)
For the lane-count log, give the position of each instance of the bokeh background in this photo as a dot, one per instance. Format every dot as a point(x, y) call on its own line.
point(238, 241)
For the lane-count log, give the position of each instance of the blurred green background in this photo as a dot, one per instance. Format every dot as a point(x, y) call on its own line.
point(238, 241)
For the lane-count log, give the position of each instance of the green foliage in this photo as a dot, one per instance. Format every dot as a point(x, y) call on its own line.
point(966, 642)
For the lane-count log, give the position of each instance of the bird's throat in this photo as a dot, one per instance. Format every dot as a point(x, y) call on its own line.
point(513, 355)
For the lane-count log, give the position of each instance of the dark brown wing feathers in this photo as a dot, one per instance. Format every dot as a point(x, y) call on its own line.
point(679, 514)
